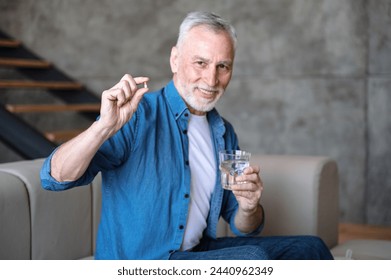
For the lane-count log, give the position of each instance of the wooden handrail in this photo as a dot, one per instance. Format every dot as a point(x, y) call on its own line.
point(63, 135)
point(19, 62)
point(9, 43)
point(54, 85)
point(41, 108)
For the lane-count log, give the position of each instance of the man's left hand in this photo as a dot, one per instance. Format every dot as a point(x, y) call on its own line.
point(249, 190)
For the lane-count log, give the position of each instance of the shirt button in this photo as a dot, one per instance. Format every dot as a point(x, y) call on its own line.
point(181, 227)
point(187, 162)
point(187, 195)
point(186, 114)
point(185, 131)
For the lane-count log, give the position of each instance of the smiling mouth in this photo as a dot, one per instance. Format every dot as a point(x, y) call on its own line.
point(208, 93)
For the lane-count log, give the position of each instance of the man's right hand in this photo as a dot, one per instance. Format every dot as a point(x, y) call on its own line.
point(118, 105)
point(120, 102)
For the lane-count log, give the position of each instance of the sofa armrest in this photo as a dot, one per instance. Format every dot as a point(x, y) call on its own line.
point(14, 218)
point(60, 223)
point(300, 196)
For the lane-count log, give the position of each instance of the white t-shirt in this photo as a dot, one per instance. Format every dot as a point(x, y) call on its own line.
point(203, 177)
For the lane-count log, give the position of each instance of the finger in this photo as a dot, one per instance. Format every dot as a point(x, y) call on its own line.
point(245, 194)
point(250, 178)
point(252, 169)
point(138, 96)
point(126, 77)
point(112, 94)
point(139, 93)
point(129, 78)
point(141, 80)
point(133, 82)
point(251, 196)
point(117, 94)
point(125, 86)
point(136, 91)
point(129, 85)
point(121, 93)
point(245, 187)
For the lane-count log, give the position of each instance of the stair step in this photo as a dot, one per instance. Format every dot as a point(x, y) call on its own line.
point(9, 43)
point(19, 62)
point(42, 108)
point(62, 136)
point(54, 85)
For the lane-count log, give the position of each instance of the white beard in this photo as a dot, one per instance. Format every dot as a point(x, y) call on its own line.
point(199, 103)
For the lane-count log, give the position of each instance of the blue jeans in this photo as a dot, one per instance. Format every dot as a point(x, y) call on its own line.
point(257, 248)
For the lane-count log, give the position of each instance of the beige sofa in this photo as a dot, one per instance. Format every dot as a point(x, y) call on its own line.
point(300, 197)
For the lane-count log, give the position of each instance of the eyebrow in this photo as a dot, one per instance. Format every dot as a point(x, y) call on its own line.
point(225, 62)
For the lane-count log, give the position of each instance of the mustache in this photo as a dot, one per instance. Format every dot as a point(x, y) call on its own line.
point(208, 88)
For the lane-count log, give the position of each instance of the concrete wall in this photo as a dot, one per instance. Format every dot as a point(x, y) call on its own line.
point(311, 77)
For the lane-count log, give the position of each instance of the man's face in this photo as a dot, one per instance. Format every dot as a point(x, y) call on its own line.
point(202, 67)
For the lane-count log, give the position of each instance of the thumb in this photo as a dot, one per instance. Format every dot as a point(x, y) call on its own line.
point(137, 97)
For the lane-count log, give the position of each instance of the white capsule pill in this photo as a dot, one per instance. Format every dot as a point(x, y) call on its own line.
point(145, 85)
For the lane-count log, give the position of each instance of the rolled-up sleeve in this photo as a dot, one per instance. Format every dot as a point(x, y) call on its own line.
point(50, 183)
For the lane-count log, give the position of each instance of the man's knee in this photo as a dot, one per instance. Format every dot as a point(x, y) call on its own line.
point(315, 241)
point(253, 252)
point(316, 246)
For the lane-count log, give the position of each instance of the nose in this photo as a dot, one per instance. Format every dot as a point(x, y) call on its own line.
point(210, 76)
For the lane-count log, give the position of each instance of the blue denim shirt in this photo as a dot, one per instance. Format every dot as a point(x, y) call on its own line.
point(146, 180)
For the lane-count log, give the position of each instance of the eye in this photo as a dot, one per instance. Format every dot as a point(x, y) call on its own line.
point(200, 63)
point(223, 67)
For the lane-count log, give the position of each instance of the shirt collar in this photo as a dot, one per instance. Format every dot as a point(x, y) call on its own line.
point(175, 101)
point(179, 107)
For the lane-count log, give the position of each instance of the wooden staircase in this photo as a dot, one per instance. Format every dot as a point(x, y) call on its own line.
point(16, 130)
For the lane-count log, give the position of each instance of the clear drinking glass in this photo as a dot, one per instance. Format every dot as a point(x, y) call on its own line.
point(232, 164)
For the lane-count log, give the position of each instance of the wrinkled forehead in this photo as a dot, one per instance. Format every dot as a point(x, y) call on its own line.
point(199, 32)
point(206, 35)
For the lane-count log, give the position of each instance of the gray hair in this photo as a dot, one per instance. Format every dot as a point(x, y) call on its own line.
point(210, 20)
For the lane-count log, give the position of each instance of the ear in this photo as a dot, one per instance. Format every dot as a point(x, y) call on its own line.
point(174, 60)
